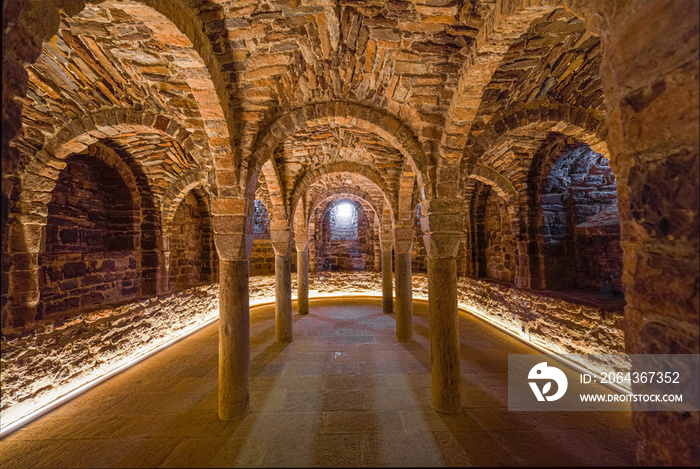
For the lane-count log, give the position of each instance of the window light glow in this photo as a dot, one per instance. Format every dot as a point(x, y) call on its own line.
point(344, 211)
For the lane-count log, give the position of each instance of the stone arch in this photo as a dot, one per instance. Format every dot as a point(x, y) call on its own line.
point(197, 30)
point(177, 191)
point(330, 249)
point(206, 255)
point(350, 193)
point(501, 185)
point(367, 173)
point(88, 129)
point(503, 188)
point(29, 221)
point(346, 114)
point(580, 123)
point(497, 33)
point(279, 215)
point(573, 207)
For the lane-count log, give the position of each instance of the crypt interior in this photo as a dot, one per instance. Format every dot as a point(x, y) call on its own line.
point(319, 227)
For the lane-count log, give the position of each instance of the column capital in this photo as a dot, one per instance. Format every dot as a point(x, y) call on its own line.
point(301, 240)
point(403, 240)
point(232, 223)
point(232, 206)
point(443, 225)
point(386, 245)
point(442, 245)
point(233, 246)
point(281, 242)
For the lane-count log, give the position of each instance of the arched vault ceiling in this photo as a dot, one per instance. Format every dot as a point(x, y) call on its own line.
point(401, 56)
point(162, 159)
point(325, 146)
point(556, 58)
point(344, 183)
point(121, 55)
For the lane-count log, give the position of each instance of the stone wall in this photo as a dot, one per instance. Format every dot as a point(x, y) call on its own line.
point(46, 359)
point(581, 225)
point(262, 257)
point(344, 245)
point(190, 248)
point(91, 253)
point(559, 324)
point(499, 245)
point(419, 256)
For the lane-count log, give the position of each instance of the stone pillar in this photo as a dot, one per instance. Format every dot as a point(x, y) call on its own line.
point(164, 267)
point(442, 248)
point(387, 277)
point(25, 241)
point(649, 71)
point(233, 236)
point(303, 276)
point(403, 242)
point(234, 339)
point(282, 245)
point(387, 283)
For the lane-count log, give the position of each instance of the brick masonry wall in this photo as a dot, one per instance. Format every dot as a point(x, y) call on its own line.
point(581, 224)
point(188, 258)
point(262, 257)
point(91, 253)
point(48, 358)
point(499, 244)
point(556, 323)
point(344, 245)
point(419, 256)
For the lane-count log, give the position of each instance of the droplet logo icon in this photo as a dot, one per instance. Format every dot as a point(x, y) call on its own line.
point(542, 373)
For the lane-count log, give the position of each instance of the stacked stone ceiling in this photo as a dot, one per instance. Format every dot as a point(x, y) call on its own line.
point(556, 59)
point(450, 71)
point(325, 146)
point(400, 56)
point(123, 74)
point(345, 183)
point(545, 90)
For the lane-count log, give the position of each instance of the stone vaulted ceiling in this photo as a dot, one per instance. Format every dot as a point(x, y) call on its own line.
point(206, 80)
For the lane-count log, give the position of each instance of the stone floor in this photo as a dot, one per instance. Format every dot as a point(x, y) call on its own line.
point(344, 393)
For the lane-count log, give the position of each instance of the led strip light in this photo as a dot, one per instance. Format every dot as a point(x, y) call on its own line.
point(22, 421)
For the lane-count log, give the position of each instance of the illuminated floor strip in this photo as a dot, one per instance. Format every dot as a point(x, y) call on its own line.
point(7, 429)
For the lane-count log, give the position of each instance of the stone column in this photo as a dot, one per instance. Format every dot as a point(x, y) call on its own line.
point(403, 242)
point(233, 236)
point(282, 245)
point(23, 286)
point(164, 267)
point(442, 248)
point(234, 339)
point(385, 243)
point(649, 71)
point(303, 275)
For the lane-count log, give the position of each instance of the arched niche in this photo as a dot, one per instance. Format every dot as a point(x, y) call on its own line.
point(92, 252)
point(344, 236)
point(419, 255)
point(580, 224)
point(493, 243)
point(193, 259)
point(262, 256)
